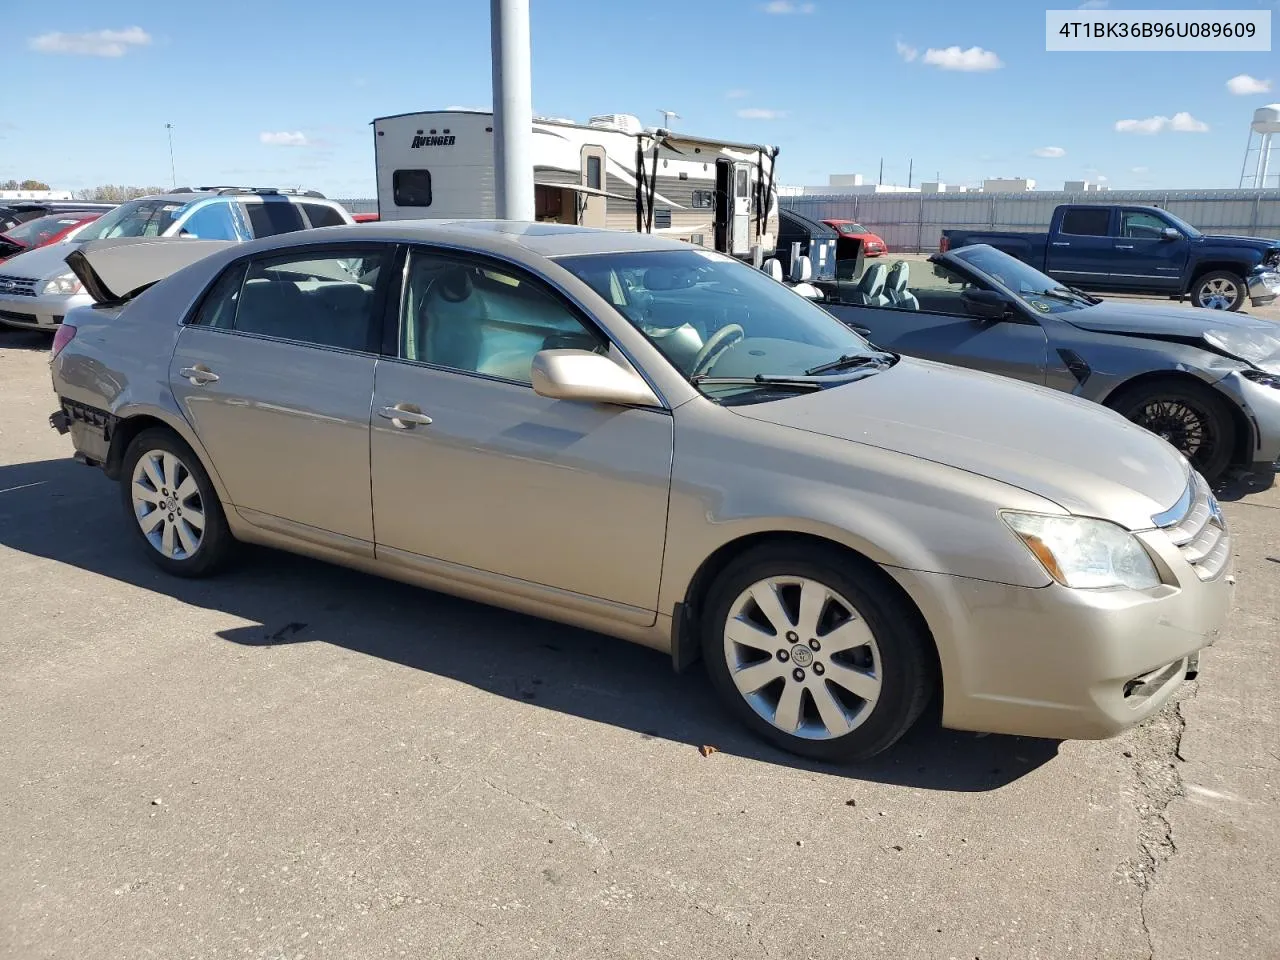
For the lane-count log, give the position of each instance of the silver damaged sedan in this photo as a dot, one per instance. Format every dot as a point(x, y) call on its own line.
point(651, 440)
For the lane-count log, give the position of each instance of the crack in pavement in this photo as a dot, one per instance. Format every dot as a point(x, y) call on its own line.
point(1158, 755)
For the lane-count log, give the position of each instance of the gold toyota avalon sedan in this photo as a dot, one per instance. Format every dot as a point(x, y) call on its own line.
point(648, 439)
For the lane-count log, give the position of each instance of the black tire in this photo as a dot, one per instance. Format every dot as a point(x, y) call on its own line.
point(1215, 282)
point(1167, 407)
point(215, 544)
point(908, 672)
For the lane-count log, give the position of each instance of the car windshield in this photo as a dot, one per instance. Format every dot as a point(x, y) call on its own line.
point(137, 218)
point(718, 319)
point(1040, 292)
point(851, 228)
point(33, 233)
point(1181, 224)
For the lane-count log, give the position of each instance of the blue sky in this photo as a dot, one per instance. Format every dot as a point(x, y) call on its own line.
point(282, 92)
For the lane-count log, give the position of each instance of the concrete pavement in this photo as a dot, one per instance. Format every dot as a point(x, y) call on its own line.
point(295, 761)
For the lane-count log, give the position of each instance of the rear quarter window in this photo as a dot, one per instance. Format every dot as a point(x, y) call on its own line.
point(322, 216)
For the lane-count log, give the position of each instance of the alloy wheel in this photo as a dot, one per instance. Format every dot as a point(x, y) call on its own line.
point(802, 657)
point(1219, 293)
point(167, 504)
point(1180, 423)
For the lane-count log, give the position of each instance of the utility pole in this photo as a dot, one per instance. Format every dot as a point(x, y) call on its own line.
point(911, 167)
point(512, 109)
point(881, 180)
point(667, 116)
point(172, 170)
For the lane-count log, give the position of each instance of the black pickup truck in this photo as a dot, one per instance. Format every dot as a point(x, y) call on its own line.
point(1144, 250)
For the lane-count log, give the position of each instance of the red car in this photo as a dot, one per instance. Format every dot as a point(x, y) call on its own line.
point(42, 231)
point(872, 244)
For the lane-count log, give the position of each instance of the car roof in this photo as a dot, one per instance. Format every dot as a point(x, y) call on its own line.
point(191, 196)
point(549, 240)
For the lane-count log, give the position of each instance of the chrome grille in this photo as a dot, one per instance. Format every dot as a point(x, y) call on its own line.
point(17, 286)
point(1198, 530)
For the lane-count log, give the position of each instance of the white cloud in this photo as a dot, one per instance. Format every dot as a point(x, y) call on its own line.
point(974, 59)
point(94, 43)
point(1182, 122)
point(1244, 85)
point(1094, 5)
point(737, 94)
point(1101, 178)
point(285, 139)
point(907, 53)
point(760, 113)
point(1049, 153)
point(786, 6)
point(1139, 170)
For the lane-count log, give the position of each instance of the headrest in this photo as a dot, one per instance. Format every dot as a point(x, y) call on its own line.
point(773, 267)
point(801, 269)
point(873, 279)
point(897, 276)
point(454, 284)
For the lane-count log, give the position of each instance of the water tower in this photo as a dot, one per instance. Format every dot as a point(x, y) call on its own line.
point(1266, 124)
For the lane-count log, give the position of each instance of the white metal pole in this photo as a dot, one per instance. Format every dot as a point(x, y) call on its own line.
point(1264, 160)
point(512, 109)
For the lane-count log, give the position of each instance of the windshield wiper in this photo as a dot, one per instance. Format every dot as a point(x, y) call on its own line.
point(1087, 297)
point(759, 380)
point(849, 361)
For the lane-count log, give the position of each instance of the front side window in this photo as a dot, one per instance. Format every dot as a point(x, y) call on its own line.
point(1142, 225)
point(1087, 221)
point(324, 298)
point(269, 218)
point(211, 222)
point(475, 318)
point(411, 188)
point(137, 218)
point(715, 317)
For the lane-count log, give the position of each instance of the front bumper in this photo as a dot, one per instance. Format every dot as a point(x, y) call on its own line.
point(1061, 663)
point(1264, 287)
point(1261, 405)
point(38, 313)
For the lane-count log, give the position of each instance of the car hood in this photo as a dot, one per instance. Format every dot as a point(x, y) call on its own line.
point(1236, 335)
point(42, 263)
point(1083, 457)
point(1257, 243)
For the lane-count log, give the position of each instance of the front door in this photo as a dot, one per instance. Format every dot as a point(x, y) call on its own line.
point(473, 468)
point(1080, 254)
point(275, 373)
point(1144, 258)
point(741, 245)
point(931, 322)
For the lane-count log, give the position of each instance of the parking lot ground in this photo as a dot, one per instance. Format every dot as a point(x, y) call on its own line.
point(295, 761)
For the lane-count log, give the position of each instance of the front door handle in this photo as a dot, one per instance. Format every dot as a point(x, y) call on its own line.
point(1061, 243)
point(199, 375)
point(1121, 246)
point(405, 416)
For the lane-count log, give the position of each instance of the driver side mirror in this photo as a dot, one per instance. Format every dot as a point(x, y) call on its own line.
point(986, 304)
point(591, 377)
point(1170, 233)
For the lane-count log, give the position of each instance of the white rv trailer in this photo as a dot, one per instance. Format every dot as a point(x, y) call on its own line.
point(610, 172)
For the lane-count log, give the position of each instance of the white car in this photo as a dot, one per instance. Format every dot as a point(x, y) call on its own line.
point(38, 288)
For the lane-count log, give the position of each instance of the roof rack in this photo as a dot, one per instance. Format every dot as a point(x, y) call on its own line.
point(223, 189)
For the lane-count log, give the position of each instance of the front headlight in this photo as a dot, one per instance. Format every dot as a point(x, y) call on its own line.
point(64, 285)
point(1085, 553)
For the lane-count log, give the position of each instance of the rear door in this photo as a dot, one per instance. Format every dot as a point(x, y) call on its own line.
point(1081, 252)
point(275, 372)
point(1144, 258)
point(933, 324)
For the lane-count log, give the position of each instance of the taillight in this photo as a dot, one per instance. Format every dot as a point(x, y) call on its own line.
point(64, 335)
point(944, 244)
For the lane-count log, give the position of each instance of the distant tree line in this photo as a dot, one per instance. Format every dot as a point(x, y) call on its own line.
point(116, 193)
point(24, 185)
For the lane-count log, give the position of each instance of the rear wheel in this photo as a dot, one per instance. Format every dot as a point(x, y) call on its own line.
point(1190, 416)
point(815, 653)
point(1219, 290)
point(172, 505)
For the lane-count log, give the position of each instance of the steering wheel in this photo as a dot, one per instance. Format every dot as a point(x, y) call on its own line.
point(720, 341)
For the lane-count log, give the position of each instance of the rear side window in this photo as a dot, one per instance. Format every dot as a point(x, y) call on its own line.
point(1087, 222)
point(218, 309)
point(272, 217)
point(411, 188)
point(322, 216)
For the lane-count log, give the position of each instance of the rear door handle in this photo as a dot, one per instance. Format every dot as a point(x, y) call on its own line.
point(199, 375)
point(405, 416)
point(1061, 243)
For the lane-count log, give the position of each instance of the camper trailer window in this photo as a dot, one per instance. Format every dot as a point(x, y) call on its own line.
point(411, 188)
point(742, 188)
point(703, 199)
point(593, 173)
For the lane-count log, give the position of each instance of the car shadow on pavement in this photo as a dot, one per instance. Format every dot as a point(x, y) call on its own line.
point(11, 338)
point(62, 511)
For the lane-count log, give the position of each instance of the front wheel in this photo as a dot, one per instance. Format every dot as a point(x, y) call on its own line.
point(173, 506)
point(1219, 290)
point(814, 653)
point(1190, 416)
